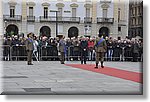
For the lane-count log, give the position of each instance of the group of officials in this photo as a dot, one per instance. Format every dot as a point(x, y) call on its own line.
point(100, 47)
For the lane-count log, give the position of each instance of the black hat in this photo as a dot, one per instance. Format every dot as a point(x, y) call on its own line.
point(100, 35)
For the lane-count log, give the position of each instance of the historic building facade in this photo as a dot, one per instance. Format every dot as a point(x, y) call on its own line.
point(66, 17)
point(136, 18)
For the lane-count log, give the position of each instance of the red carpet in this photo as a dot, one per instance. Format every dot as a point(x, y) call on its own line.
point(128, 75)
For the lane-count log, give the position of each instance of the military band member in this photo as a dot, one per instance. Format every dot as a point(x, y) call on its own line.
point(29, 48)
point(100, 48)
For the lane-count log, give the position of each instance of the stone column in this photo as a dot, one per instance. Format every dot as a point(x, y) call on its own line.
point(24, 17)
point(94, 18)
point(1, 20)
point(115, 25)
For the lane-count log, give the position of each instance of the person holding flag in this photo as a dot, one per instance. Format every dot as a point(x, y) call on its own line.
point(100, 49)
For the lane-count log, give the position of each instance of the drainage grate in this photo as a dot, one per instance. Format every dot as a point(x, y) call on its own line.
point(15, 77)
point(38, 90)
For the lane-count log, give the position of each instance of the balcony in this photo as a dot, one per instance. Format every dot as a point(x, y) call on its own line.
point(87, 19)
point(12, 18)
point(122, 22)
point(45, 19)
point(69, 19)
point(105, 20)
point(31, 18)
point(60, 19)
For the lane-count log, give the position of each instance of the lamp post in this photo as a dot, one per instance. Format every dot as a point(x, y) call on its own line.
point(56, 20)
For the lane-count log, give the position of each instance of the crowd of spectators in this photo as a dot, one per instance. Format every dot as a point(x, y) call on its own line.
point(45, 48)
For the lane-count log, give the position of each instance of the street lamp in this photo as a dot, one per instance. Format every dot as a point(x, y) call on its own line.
point(56, 20)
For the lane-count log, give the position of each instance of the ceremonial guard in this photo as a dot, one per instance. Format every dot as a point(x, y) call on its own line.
point(100, 48)
point(62, 49)
point(29, 48)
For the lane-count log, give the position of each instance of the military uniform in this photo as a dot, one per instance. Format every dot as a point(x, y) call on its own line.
point(29, 48)
point(100, 51)
point(62, 50)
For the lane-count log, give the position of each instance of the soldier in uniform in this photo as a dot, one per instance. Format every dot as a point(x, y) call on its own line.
point(29, 48)
point(100, 48)
point(62, 49)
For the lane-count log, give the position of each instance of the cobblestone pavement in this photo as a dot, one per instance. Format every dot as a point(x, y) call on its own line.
point(51, 77)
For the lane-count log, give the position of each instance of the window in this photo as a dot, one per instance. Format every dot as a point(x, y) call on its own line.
point(135, 10)
point(104, 13)
point(45, 12)
point(119, 12)
point(59, 12)
point(73, 12)
point(135, 21)
point(60, 28)
point(31, 11)
point(139, 11)
point(119, 29)
point(12, 11)
point(87, 12)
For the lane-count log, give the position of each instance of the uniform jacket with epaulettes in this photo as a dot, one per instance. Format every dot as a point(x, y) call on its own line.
point(102, 47)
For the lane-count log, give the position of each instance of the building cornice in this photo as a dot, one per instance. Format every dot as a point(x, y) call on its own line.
point(31, 4)
point(74, 5)
point(12, 3)
point(60, 5)
point(45, 4)
point(105, 6)
point(88, 5)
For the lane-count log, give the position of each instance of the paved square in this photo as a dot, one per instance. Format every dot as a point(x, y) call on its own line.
point(56, 78)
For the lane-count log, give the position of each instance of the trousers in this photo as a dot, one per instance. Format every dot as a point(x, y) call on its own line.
point(99, 57)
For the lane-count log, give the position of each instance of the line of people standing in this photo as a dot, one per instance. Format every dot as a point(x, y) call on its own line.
point(117, 49)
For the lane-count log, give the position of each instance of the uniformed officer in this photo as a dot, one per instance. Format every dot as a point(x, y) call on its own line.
point(62, 49)
point(100, 48)
point(29, 48)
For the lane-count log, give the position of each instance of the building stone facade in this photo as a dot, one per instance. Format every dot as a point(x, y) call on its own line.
point(66, 17)
point(136, 19)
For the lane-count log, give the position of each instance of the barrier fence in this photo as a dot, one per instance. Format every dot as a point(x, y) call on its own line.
point(17, 53)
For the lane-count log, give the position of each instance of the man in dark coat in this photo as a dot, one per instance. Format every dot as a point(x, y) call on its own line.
point(83, 47)
point(62, 49)
point(7, 44)
point(15, 47)
point(135, 49)
point(100, 48)
point(29, 48)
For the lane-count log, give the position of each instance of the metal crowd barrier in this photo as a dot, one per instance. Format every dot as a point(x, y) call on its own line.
point(5, 52)
point(18, 52)
point(50, 52)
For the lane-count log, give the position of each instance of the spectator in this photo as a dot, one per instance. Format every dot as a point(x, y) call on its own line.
point(90, 49)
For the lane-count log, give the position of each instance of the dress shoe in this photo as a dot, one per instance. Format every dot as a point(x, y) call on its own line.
point(30, 64)
point(96, 67)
